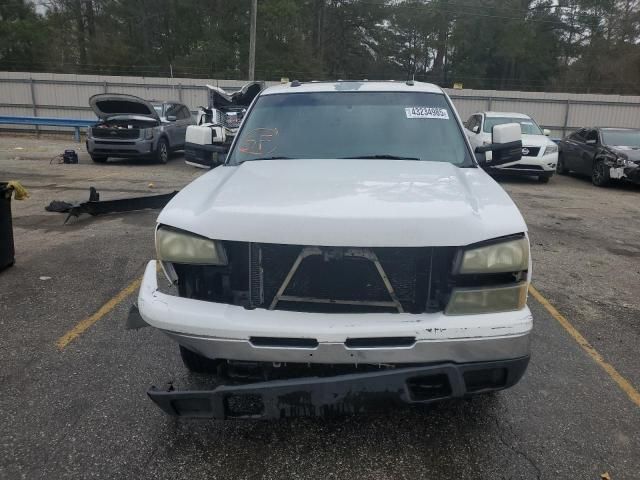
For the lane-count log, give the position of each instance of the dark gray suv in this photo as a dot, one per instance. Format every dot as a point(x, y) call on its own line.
point(133, 127)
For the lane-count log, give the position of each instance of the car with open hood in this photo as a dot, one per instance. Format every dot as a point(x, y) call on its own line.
point(604, 154)
point(130, 126)
point(349, 254)
point(539, 152)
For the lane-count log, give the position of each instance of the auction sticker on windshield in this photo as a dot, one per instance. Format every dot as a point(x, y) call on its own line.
point(427, 112)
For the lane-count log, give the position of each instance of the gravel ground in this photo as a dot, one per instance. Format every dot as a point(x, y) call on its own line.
point(83, 412)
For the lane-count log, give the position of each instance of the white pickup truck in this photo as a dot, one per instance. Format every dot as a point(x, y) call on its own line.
point(350, 254)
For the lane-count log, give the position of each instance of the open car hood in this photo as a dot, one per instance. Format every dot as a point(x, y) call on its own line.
point(107, 105)
point(218, 98)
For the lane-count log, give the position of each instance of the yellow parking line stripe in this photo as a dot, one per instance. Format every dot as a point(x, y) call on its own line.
point(622, 382)
point(83, 325)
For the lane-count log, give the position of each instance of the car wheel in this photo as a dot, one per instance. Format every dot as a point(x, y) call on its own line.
point(197, 363)
point(162, 151)
point(560, 167)
point(98, 158)
point(600, 174)
point(544, 178)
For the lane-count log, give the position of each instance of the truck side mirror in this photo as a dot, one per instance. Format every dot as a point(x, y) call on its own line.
point(475, 129)
point(218, 135)
point(546, 131)
point(506, 146)
point(171, 118)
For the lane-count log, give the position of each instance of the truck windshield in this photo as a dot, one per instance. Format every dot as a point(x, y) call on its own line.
point(527, 125)
point(336, 125)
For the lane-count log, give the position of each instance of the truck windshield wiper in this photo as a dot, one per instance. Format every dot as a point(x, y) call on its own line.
point(380, 157)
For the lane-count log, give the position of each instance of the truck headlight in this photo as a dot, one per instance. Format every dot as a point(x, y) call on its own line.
point(148, 133)
point(509, 256)
point(178, 246)
point(469, 301)
point(551, 149)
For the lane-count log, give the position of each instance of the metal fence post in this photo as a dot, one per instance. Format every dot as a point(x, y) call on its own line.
point(180, 92)
point(489, 103)
point(566, 118)
point(33, 102)
point(105, 86)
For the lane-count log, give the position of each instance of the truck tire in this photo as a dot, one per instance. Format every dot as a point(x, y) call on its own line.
point(162, 151)
point(197, 363)
point(98, 158)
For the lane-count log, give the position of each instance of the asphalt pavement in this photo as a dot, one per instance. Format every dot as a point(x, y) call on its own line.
point(82, 412)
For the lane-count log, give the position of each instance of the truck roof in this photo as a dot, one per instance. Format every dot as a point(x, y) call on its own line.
point(352, 86)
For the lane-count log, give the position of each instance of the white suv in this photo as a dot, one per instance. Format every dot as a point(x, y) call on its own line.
point(539, 153)
point(349, 254)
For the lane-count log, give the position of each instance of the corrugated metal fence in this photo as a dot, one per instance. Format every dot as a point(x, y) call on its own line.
point(61, 95)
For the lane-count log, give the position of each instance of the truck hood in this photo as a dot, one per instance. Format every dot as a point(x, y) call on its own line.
point(367, 203)
point(107, 105)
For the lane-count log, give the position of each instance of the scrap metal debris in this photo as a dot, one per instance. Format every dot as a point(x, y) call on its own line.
point(95, 206)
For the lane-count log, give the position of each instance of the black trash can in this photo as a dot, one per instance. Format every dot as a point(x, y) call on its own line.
point(7, 252)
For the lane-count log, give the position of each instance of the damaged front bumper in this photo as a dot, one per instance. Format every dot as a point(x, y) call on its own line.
point(342, 394)
point(221, 331)
point(630, 173)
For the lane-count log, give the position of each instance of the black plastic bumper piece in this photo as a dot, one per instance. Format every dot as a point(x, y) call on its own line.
point(342, 394)
point(95, 206)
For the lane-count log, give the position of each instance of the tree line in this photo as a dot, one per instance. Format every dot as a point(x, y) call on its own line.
point(551, 45)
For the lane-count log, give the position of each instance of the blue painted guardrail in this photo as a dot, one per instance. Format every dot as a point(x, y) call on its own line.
point(76, 124)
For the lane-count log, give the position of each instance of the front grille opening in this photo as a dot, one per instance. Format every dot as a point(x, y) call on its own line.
point(429, 387)
point(344, 279)
point(338, 284)
point(243, 405)
point(420, 277)
point(380, 342)
point(284, 342)
point(491, 378)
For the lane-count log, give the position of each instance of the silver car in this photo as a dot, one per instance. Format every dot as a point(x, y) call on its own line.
point(133, 127)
